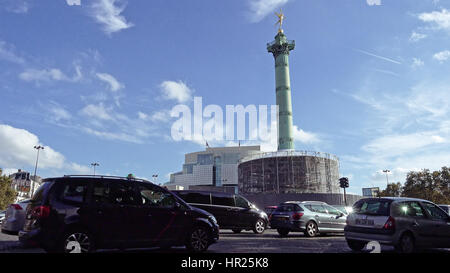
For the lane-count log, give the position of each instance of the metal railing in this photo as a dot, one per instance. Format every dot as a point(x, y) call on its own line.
point(287, 154)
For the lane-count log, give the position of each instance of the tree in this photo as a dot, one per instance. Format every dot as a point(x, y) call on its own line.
point(432, 186)
point(393, 189)
point(7, 194)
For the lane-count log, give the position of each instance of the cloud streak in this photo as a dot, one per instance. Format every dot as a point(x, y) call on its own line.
point(378, 56)
point(108, 14)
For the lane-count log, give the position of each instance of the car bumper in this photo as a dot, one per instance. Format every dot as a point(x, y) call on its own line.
point(30, 238)
point(381, 236)
point(291, 225)
point(215, 235)
point(11, 226)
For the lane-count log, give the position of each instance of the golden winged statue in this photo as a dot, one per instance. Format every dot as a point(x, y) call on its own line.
point(281, 17)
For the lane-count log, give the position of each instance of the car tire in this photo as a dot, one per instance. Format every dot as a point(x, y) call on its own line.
point(198, 239)
point(406, 244)
point(76, 241)
point(283, 232)
point(259, 226)
point(356, 245)
point(237, 230)
point(311, 229)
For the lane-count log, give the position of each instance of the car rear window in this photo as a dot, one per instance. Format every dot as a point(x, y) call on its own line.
point(372, 207)
point(288, 208)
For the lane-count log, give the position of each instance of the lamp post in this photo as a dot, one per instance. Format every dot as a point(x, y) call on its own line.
point(387, 179)
point(94, 165)
point(39, 147)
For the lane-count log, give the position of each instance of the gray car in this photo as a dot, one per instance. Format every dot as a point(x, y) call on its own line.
point(405, 223)
point(15, 217)
point(310, 217)
point(2, 216)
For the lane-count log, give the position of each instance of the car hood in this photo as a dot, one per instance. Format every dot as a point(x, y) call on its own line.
point(199, 212)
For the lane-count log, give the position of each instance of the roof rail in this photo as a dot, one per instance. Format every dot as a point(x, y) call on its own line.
point(104, 176)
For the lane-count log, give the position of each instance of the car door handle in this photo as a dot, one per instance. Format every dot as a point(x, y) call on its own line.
point(149, 215)
point(99, 211)
point(415, 224)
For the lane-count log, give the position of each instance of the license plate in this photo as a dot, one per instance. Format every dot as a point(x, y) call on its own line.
point(366, 222)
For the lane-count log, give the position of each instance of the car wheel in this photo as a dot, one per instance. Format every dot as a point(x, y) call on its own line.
point(311, 229)
point(237, 230)
point(283, 232)
point(355, 245)
point(259, 226)
point(77, 241)
point(198, 240)
point(406, 244)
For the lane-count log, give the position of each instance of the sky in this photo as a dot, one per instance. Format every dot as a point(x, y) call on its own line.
point(96, 81)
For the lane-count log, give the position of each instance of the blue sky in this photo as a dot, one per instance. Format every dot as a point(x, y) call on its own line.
point(95, 81)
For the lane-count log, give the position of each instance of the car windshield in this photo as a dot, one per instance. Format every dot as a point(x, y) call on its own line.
point(372, 207)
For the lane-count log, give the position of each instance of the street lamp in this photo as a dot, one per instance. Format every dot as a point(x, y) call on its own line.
point(387, 179)
point(39, 147)
point(94, 165)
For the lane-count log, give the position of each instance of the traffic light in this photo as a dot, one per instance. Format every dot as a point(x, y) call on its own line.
point(343, 182)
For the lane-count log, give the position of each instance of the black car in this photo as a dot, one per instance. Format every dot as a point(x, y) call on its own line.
point(232, 211)
point(84, 213)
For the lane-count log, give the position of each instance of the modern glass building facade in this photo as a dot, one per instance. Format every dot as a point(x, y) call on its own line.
point(212, 167)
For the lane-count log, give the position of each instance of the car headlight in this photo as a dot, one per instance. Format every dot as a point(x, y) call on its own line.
point(212, 219)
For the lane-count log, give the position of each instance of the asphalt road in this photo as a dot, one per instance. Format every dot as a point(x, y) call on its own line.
point(245, 242)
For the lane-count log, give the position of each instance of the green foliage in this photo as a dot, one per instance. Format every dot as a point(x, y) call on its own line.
point(393, 189)
point(433, 186)
point(7, 194)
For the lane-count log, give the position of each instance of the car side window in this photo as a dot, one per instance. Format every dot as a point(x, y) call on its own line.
point(114, 193)
point(241, 202)
point(155, 197)
point(409, 209)
point(435, 212)
point(333, 211)
point(319, 208)
point(223, 200)
point(74, 192)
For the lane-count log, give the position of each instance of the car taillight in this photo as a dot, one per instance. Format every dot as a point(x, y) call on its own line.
point(297, 215)
point(41, 212)
point(390, 223)
point(16, 206)
point(270, 217)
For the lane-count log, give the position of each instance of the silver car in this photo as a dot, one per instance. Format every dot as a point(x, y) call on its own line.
point(310, 217)
point(15, 217)
point(2, 216)
point(405, 223)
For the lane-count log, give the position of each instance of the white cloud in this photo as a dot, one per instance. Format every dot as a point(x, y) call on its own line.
point(108, 13)
point(441, 19)
point(73, 2)
point(114, 84)
point(7, 53)
point(442, 56)
point(58, 113)
point(178, 91)
point(373, 2)
point(114, 136)
point(97, 111)
point(417, 63)
point(16, 150)
point(158, 116)
point(415, 37)
point(16, 6)
point(305, 137)
point(261, 8)
point(48, 75)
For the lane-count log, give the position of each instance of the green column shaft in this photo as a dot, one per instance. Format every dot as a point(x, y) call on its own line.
point(280, 49)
